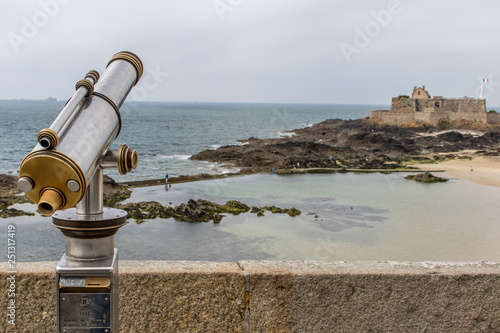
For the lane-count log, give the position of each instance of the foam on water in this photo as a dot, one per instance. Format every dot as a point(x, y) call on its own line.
point(175, 157)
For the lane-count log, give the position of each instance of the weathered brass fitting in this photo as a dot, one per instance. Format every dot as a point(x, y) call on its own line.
point(48, 138)
point(127, 159)
point(40, 167)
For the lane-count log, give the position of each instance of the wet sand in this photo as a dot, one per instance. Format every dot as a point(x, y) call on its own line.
point(485, 170)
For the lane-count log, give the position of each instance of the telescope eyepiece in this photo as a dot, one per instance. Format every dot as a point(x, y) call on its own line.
point(50, 201)
point(48, 138)
point(45, 142)
point(93, 75)
point(45, 208)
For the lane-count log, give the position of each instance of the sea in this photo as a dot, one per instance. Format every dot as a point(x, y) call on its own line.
point(166, 134)
point(374, 216)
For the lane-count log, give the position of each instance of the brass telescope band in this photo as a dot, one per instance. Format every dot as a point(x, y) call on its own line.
point(55, 175)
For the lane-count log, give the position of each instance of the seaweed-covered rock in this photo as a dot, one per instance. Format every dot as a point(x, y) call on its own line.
point(257, 210)
point(9, 195)
point(8, 183)
point(113, 192)
point(235, 207)
point(273, 209)
point(197, 211)
point(426, 177)
point(147, 210)
point(276, 210)
point(293, 211)
point(12, 212)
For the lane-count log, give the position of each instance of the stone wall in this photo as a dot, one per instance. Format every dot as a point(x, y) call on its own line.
point(404, 111)
point(493, 118)
point(393, 117)
point(279, 296)
point(403, 105)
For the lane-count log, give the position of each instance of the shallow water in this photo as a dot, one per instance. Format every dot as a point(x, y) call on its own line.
point(360, 217)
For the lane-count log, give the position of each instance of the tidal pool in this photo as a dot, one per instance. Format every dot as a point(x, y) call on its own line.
point(344, 217)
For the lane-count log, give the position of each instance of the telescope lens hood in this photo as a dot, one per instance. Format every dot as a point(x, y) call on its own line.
point(131, 58)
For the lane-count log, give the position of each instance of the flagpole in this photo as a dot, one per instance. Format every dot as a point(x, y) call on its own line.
point(482, 85)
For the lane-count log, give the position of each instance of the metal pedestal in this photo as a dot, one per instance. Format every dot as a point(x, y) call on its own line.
point(87, 295)
point(87, 274)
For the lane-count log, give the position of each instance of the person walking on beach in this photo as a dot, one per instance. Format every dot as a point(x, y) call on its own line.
point(167, 183)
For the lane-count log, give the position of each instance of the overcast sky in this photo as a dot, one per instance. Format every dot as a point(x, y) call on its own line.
point(284, 51)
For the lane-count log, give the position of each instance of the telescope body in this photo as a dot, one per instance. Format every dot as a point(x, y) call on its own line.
point(56, 173)
point(66, 169)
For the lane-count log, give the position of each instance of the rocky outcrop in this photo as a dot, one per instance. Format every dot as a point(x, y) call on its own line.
point(114, 192)
point(9, 195)
point(352, 144)
point(12, 212)
point(276, 210)
point(196, 210)
point(426, 177)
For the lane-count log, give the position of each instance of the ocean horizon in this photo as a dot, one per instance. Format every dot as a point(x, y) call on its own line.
point(344, 216)
point(166, 134)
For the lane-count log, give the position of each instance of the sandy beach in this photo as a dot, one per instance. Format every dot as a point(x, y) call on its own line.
point(485, 169)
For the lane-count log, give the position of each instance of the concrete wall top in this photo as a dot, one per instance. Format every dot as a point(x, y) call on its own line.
point(297, 267)
point(370, 267)
point(279, 296)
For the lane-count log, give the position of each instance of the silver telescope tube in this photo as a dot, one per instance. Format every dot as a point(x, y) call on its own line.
point(56, 177)
point(49, 138)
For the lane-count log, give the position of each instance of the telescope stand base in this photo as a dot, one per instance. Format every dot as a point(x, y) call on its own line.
point(87, 295)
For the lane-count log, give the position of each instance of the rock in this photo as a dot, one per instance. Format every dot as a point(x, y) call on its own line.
point(426, 177)
point(8, 183)
point(147, 210)
point(257, 210)
point(276, 210)
point(217, 218)
point(12, 212)
point(293, 211)
point(235, 207)
point(197, 211)
point(194, 210)
point(353, 144)
point(113, 192)
point(9, 194)
point(273, 209)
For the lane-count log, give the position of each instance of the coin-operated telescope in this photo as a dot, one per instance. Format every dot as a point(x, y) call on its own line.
point(64, 170)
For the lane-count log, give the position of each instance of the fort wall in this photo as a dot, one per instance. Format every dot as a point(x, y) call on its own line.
point(403, 105)
point(393, 117)
point(430, 110)
point(278, 296)
point(493, 118)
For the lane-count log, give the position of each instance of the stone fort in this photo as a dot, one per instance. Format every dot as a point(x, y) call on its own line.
point(422, 108)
